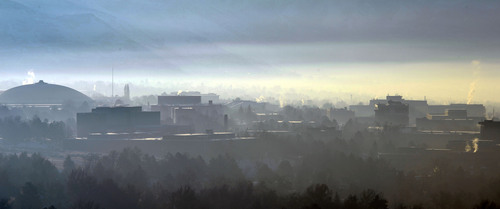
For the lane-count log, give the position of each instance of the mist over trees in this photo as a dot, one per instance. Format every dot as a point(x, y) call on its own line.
point(325, 176)
point(131, 179)
point(308, 128)
point(14, 129)
point(311, 164)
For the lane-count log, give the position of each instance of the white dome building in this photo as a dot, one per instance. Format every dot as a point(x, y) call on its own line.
point(43, 94)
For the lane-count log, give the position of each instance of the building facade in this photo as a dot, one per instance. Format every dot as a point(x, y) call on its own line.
point(394, 113)
point(116, 119)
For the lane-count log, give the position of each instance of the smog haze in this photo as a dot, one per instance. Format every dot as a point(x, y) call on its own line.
point(307, 50)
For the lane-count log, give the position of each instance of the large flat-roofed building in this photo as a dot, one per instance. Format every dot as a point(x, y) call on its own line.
point(179, 100)
point(473, 110)
point(116, 119)
point(185, 116)
point(454, 117)
point(205, 98)
point(446, 124)
point(188, 110)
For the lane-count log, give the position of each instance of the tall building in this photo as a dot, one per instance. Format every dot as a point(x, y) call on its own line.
point(342, 115)
point(452, 120)
point(490, 130)
point(473, 110)
point(416, 108)
point(189, 111)
point(395, 113)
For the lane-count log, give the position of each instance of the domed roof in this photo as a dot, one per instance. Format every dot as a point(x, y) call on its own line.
point(42, 93)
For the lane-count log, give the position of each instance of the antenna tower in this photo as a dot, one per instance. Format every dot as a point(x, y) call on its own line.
point(112, 82)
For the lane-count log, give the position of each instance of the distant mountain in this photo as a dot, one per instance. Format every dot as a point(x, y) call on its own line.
point(246, 37)
point(34, 27)
point(134, 24)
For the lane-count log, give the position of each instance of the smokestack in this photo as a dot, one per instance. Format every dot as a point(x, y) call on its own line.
point(475, 145)
point(126, 92)
point(30, 79)
point(472, 88)
point(112, 82)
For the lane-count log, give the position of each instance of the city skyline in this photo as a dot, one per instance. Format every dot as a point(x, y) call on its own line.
point(477, 88)
point(296, 104)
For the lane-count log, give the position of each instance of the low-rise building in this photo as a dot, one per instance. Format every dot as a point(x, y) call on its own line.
point(116, 119)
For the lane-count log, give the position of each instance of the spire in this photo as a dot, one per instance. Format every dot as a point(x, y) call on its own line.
point(126, 92)
point(112, 82)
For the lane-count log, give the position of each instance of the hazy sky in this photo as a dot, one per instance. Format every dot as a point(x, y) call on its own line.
point(324, 49)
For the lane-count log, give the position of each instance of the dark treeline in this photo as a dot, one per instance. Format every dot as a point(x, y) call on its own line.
point(132, 179)
point(305, 167)
point(14, 129)
point(66, 112)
